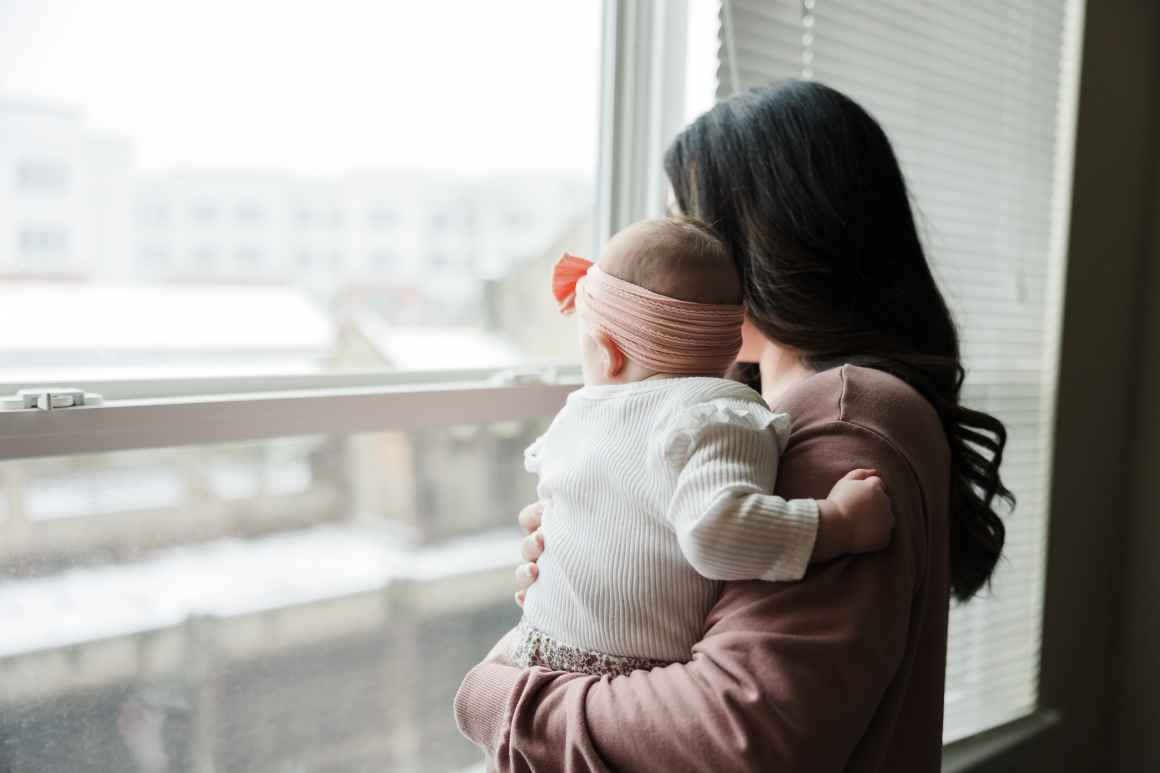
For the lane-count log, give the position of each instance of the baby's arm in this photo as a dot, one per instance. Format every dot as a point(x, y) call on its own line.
point(854, 518)
point(730, 528)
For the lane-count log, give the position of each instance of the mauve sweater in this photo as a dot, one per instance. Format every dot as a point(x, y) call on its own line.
point(842, 671)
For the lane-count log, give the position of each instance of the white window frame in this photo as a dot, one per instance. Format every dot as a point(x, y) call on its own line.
point(127, 424)
point(642, 106)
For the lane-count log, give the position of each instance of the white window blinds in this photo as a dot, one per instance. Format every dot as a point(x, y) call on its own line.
point(976, 98)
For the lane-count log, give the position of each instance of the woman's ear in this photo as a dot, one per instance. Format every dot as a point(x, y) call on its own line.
point(611, 358)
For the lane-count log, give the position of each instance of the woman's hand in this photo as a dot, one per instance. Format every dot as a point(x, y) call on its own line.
point(530, 549)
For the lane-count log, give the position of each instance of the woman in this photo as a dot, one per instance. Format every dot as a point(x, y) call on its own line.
point(848, 332)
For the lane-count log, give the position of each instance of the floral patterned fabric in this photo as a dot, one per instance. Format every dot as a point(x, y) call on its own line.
point(535, 648)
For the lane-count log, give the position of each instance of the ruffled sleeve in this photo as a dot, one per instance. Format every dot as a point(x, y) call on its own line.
point(730, 414)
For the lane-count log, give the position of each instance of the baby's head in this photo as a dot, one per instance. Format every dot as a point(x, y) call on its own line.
point(678, 257)
point(666, 299)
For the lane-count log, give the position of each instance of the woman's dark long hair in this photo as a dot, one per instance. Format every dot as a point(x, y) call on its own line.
point(803, 185)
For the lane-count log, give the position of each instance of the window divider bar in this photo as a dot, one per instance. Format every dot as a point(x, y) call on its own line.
point(196, 386)
point(642, 107)
point(156, 423)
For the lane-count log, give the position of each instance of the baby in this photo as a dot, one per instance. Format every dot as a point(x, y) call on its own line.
point(656, 475)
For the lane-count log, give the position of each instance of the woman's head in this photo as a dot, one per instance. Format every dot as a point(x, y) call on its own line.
point(803, 186)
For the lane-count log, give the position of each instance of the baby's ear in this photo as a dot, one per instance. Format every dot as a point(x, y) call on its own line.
point(611, 358)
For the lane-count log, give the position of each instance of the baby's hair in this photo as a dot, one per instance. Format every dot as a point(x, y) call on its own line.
point(680, 257)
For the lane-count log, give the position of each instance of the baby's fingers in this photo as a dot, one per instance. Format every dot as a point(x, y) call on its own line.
point(532, 546)
point(526, 574)
point(860, 474)
point(530, 517)
point(878, 482)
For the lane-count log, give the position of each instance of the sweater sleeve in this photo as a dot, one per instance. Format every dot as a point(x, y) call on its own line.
point(729, 524)
point(787, 677)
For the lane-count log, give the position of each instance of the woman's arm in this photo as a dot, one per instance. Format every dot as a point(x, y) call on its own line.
point(787, 677)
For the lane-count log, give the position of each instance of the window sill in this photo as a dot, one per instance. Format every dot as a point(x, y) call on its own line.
point(977, 752)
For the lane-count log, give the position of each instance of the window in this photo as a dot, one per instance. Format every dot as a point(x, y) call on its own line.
point(249, 258)
point(204, 258)
point(459, 222)
point(203, 213)
point(381, 217)
point(303, 217)
point(41, 177)
point(976, 101)
point(289, 529)
point(249, 214)
point(43, 242)
point(154, 214)
point(154, 256)
point(381, 261)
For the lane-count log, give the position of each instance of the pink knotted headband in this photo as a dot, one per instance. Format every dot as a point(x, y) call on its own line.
point(664, 334)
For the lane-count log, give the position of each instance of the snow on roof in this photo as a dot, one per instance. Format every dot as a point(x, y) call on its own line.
point(227, 578)
point(433, 347)
point(45, 317)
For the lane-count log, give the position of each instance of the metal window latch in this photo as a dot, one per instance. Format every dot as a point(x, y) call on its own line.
point(48, 399)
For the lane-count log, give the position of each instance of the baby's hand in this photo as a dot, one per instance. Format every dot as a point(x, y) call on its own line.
point(854, 518)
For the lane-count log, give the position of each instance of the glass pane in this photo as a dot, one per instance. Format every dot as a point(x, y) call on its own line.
point(701, 46)
point(210, 188)
point(302, 604)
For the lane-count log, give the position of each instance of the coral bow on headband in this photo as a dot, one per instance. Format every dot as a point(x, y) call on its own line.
point(568, 271)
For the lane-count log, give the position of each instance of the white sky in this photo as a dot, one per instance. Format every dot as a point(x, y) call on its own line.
point(320, 87)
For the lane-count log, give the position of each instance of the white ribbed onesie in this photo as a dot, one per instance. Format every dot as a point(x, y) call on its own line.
point(655, 492)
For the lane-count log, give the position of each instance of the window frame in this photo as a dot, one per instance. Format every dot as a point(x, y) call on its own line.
point(641, 107)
